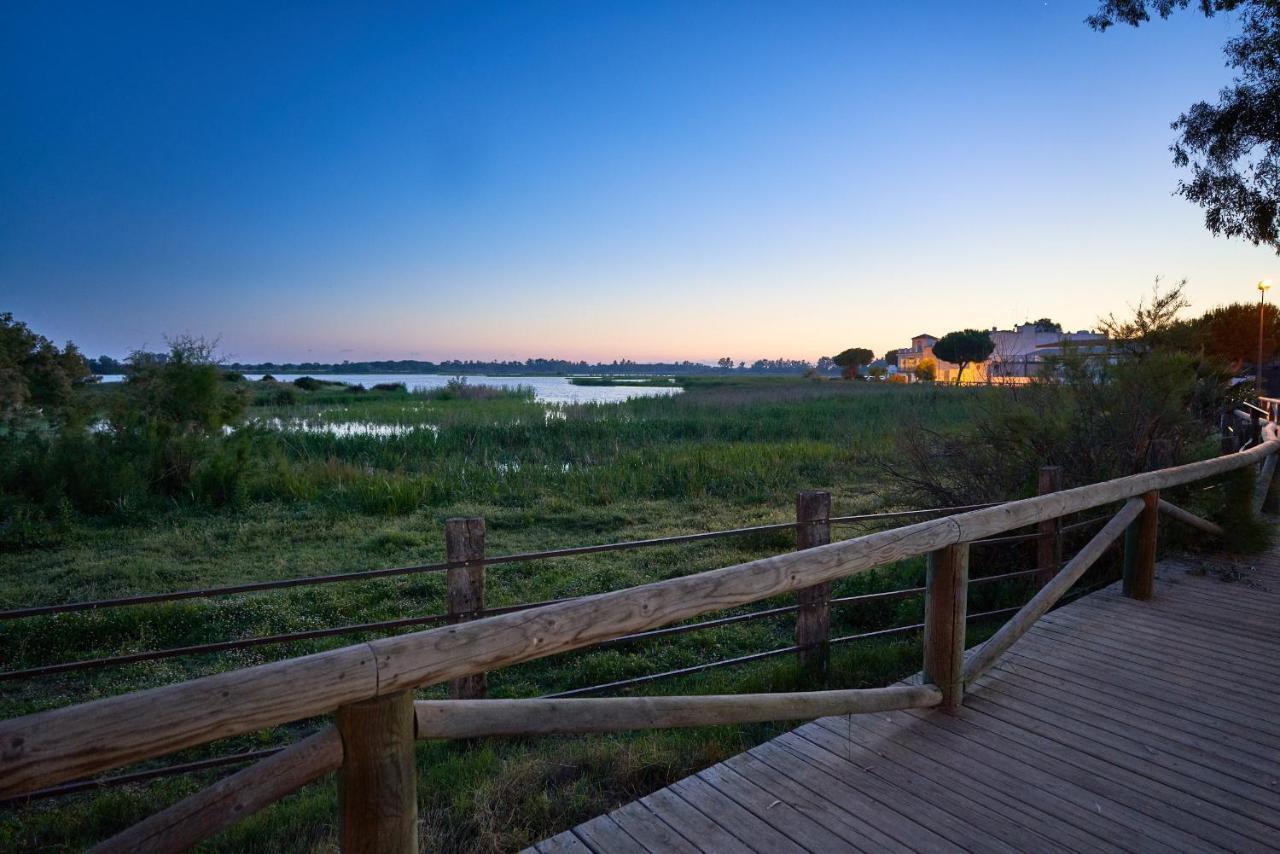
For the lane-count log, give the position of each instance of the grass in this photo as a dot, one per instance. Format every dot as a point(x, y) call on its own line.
point(728, 452)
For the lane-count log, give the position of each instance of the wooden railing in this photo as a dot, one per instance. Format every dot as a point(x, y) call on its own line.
point(368, 687)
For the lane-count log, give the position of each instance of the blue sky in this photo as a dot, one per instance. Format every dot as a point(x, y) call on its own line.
point(593, 180)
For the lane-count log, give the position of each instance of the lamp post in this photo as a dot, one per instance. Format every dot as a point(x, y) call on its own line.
point(1263, 286)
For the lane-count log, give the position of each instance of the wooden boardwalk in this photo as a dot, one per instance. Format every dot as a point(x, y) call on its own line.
point(1113, 725)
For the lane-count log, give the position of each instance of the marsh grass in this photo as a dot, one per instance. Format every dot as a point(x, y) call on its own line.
point(724, 454)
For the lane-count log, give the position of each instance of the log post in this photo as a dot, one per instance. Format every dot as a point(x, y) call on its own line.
point(1227, 443)
point(378, 783)
point(1265, 489)
point(464, 541)
point(1140, 549)
point(946, 597)
point(813, 620)
point(1049, 545)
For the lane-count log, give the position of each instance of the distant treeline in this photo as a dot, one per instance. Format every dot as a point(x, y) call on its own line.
point(108, 365)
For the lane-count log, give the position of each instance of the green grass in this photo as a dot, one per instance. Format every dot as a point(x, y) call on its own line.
point(729, 452)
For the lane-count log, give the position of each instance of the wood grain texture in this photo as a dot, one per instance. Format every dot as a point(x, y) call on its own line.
point(813, 620)
point(210, 811)
point(1140, 549)
point(1020, 623)
point(48, 748)
point(1186, 517)
point(378, 784)
point(475, 718)
point(464, 541)
point(1049, 544)
point(946, 596)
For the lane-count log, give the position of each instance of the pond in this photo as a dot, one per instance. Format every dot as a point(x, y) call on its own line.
point(547, 389)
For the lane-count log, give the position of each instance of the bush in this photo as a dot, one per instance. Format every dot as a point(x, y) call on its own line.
point(1096, 420)
point(400, 387)
point(308, 383)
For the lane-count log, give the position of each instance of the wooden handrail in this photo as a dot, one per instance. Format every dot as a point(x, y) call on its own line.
point(454, 719)
point(210, 811)
point(985, 655)
point(49, 747)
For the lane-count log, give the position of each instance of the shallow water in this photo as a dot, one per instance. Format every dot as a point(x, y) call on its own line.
point(547, 389)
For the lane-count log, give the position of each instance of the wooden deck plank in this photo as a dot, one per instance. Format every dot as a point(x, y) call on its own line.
point(861, 810)
point(1079, 701)
point(603, 835)
point(1076, 797)
point(1241, 736)
point(650, 830)
point(1189, 645)
point(1164, 814)
point(1144, 757)
point(799, 828)
point(1113, 725)
point(901, 772)
point(562, 843)
point(692, 824)
point(988, 778)
point(1126, 678)
point(754, 833)
point(1138, 752)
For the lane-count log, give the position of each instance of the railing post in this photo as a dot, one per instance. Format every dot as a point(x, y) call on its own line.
point(1228, 443)
point(1049, 545)
point(1140, 549)
point(945, 601)
point(464, 541)
point(813, 619)
point(378, 783)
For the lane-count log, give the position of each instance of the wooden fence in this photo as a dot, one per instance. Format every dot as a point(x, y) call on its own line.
point(368, 687)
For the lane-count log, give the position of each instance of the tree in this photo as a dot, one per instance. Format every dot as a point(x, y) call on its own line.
point(1153, 325)
point(1230, 333)
point(964, 347)
point(725, 363)
point(877, 371)
point(1044, 324)
point(926, 370)
point(824, 364)
point(853, 358)
point(1233, 147)
point(33, 371)
point(891, 358)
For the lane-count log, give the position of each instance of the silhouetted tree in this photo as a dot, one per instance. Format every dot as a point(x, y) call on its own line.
point(33, 370)
point(1232, 147)
point(853, 358)
point(1044, 324)
point(1230, 332)
point(964, 347)
point(1152, 325)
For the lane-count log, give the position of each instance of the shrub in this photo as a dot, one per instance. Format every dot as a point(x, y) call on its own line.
point(308, 383)
point(400, 387)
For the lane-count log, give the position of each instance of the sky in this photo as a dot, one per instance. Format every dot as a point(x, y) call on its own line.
point(593, 180)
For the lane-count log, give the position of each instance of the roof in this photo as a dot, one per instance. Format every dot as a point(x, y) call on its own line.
point(923, 335)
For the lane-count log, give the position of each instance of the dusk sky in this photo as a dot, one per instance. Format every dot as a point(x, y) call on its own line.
point(593, 180)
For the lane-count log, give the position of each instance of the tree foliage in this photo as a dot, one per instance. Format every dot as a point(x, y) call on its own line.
point(34, 372)
point(851, 359)
point(1044, 324)
point(964, 347)
point(1230, 333)
point(1152, 323)
point(1232, 147)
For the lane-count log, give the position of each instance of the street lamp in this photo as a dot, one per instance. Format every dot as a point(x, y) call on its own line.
point(1263, 286)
